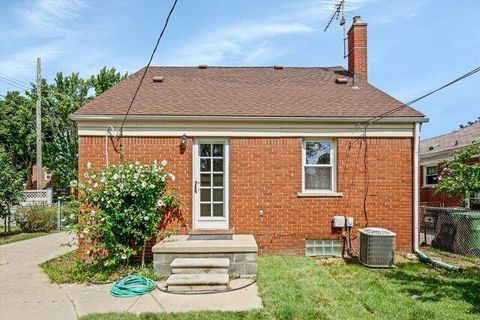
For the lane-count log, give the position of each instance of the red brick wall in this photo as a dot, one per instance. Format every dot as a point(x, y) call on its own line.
point(266, 175)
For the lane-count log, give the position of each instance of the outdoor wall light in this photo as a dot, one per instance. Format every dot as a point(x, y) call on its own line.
point(183, 141)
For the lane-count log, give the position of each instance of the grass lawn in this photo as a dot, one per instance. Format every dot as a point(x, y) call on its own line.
point(295, 287)
point(69, 269)
point(17, 235)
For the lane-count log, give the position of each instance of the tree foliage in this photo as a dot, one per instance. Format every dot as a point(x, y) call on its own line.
point(60, 99)
point(11, 184)
point(105, 79)
point(459, 176)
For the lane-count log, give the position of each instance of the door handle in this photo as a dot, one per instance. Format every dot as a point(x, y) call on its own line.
point(196, 186)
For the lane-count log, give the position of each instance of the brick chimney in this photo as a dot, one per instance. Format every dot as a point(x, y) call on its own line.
point(357, 50)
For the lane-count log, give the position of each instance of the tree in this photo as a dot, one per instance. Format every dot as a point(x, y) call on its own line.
point(17, 132)
point(106, 79)
point(11, 183)
point(459, 176)
point(64, 97)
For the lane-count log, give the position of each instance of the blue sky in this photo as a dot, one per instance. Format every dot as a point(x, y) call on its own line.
point(414, 46)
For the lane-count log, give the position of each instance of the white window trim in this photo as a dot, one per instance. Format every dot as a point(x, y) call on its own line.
point(425, 184)
point(333, 163)
point(48, 175)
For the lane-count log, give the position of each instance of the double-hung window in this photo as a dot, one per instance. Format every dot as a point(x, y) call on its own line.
point(318, 157)
point(430, 175)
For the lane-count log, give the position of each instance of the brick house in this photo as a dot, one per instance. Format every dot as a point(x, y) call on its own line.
point(268, 151)
point(437, 149)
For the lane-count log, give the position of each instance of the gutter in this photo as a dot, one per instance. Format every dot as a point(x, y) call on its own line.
point(416, 206)
point(246, 118)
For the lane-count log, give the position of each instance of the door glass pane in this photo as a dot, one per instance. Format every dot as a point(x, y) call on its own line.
point(205, 165)
point(318, 178)
point(218, 194)
point(218, 150)
point(205, 180)
point(317, 152)
point(218, 209)
point(205, 194)
point(217, 164)
point(205, 209)
point(218, 180)
point(205, 150)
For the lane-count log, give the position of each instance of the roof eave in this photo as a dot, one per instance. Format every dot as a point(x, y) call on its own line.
point(76, 117)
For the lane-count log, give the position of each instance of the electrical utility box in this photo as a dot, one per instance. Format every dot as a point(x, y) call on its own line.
point(338, 221)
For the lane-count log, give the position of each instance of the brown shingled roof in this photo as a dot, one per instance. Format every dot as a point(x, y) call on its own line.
point(245, 91)
point(458, 139)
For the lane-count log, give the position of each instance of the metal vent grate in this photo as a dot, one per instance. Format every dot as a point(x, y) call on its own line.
point(323, 248)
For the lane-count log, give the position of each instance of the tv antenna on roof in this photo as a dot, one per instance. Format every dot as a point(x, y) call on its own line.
point(339, 13)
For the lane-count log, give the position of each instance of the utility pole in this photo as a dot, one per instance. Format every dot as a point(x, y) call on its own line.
point(39, 126)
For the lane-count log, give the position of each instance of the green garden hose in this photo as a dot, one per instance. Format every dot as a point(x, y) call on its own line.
point(132, 286)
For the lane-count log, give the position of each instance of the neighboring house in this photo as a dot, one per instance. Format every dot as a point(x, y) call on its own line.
point(47, 179)
point(48, 182)
point(270, 151)
point(435, 150)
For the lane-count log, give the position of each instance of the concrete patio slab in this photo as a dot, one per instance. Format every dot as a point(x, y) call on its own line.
point(181, 244)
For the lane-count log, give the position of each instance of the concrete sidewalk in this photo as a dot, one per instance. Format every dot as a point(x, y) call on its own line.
point(26, 292)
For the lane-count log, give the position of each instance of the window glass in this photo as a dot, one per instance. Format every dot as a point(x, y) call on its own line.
point(318, 167)
point(431, 175)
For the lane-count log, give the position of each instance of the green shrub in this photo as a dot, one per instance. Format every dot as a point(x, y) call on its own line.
point(36, 218)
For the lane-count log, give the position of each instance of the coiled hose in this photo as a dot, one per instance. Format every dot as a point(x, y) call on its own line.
point(132, 286)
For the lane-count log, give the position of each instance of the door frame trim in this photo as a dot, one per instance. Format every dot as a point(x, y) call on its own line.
point(221, 223)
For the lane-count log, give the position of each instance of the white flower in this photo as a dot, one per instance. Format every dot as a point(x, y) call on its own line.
point(137, 163)
point(145, 218)
point(120, 185)
point(103, 180)
point(152, 186)
point(130, 166)
point(72, 216)
point(144, 184)
point(160, 203)
point(81, 235)
point(164, 163)
point(124, 256)
point(163, 179)
point(133, 194)
point(116, 176)
point(172, 176)
point(95, 185)
point(73, 183)
point(86, 230)
point(85, 174)
point(89, 164)
point(92, 212)
point(103, 219)
point(88, 252)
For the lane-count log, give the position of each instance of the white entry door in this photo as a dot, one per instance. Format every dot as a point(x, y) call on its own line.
point(211, 182)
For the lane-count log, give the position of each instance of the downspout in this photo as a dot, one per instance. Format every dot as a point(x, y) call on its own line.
point(416, 206)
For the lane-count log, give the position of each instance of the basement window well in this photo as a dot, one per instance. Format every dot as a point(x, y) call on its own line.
point(323, 248)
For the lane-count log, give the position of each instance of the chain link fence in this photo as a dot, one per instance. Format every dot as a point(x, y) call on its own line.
point(456, 230)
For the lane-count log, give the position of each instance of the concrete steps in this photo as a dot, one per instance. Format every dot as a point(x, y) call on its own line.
point(198, 274)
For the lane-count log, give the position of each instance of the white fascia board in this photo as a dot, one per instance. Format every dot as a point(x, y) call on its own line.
point(243, 129)
point(245, 118)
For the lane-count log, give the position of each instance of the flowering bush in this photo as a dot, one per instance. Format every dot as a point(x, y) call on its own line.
point(121, 207)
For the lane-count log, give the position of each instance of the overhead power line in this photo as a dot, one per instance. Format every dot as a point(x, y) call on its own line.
point(119, 133)
point(21, 82)
point(13, 84)
point(381, 116)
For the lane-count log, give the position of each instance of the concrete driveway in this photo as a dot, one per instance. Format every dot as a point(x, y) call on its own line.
point(25, 291)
